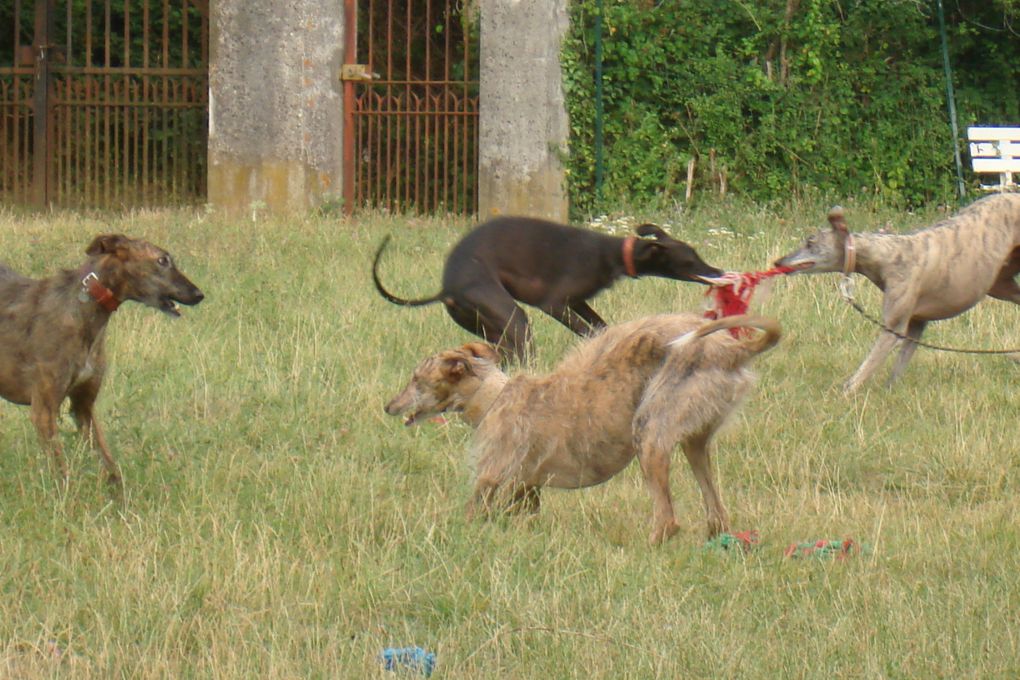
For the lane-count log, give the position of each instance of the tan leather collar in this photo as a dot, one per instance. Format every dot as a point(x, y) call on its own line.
point(100, 293)
point(849, 255)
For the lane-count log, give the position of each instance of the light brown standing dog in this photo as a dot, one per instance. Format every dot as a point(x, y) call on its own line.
point(637, 389)
point(928, 275)
point(52, 332)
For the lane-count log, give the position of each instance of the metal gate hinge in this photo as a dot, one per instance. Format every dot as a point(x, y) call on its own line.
point(356, 72)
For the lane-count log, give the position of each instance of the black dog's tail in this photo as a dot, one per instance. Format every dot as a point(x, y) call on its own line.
point(390, 296)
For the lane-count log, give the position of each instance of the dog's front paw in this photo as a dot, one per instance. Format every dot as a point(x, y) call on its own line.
point(850, 386)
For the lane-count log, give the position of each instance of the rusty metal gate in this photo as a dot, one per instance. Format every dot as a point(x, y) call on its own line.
point(103, 103)
point(411, 106)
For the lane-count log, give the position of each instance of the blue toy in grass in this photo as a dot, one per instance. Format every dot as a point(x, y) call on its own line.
point(414, 658)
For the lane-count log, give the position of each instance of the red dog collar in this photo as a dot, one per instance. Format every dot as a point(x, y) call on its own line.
point(628, 256)
point(100, 293)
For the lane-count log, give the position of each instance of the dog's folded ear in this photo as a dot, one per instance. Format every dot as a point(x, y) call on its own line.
point(454, 368)
point(107, 244)
point(457, 363)
point(481, 350)
point(837, 219)
point(654, 230)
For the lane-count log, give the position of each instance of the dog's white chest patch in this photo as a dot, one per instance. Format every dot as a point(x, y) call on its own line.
point(85, 372)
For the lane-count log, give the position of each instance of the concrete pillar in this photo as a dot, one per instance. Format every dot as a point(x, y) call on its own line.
point(275, 104)
point(523, 121)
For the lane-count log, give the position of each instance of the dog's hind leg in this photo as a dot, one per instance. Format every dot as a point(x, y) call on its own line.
point(914, 330)
point(489, 312)
point(655, 461)
point(1005, 286)
point(82, 408)
point(514, 335)
point(696, 450)
point(525, 499)
point(482, 498)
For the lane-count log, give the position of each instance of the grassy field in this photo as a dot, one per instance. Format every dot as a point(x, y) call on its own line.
point(277, 524)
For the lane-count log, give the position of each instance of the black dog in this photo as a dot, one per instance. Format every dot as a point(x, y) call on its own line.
point(551, 266)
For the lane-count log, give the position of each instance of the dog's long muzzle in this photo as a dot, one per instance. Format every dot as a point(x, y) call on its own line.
point(722, 280)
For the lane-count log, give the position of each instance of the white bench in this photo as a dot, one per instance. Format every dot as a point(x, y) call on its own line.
point(995, 150)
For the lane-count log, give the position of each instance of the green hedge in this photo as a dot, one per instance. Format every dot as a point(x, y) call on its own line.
point(846, 97)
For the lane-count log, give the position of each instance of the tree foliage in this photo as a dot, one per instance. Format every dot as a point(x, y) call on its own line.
point(787, 96)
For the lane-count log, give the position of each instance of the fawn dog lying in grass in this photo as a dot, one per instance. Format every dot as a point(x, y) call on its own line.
point(928, 275)
point(52, 331)
point(636, 389)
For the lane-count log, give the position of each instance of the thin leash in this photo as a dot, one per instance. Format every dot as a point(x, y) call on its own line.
point(846, 288)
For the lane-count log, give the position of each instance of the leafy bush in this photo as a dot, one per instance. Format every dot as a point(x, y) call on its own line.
point(787, 96)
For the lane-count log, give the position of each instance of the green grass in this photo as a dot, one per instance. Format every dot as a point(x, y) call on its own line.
point(277, 524)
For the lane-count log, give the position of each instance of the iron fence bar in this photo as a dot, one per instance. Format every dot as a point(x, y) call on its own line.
point(409, 33)
point(446, 93)
point(423, 172)
point(107, 25)
point(164, 118)
point(464, 130)
point(417, 147)
point(6, 169)
point(389, 94)
point(91, 163)
point(117, 103)
point(65, 158)
point(146, 90)
point(126, 71)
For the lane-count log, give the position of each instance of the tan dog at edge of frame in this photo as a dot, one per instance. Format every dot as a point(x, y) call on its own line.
point(928, 275)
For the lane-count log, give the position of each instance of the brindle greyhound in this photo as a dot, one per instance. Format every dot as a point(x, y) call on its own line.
point(554, 267)
point(927, 275)
point(52, 331)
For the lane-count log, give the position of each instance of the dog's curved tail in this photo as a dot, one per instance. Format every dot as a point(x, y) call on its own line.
point(390, 296)
point(770, 329)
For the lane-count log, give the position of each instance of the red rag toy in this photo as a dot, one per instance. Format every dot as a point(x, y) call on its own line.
point(822, 548)
point(733, 298)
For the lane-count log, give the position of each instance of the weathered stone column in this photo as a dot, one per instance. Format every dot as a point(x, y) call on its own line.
point(522, 122)
point(275, 103)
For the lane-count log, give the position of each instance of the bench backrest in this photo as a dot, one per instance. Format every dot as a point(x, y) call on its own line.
point(995, 150)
